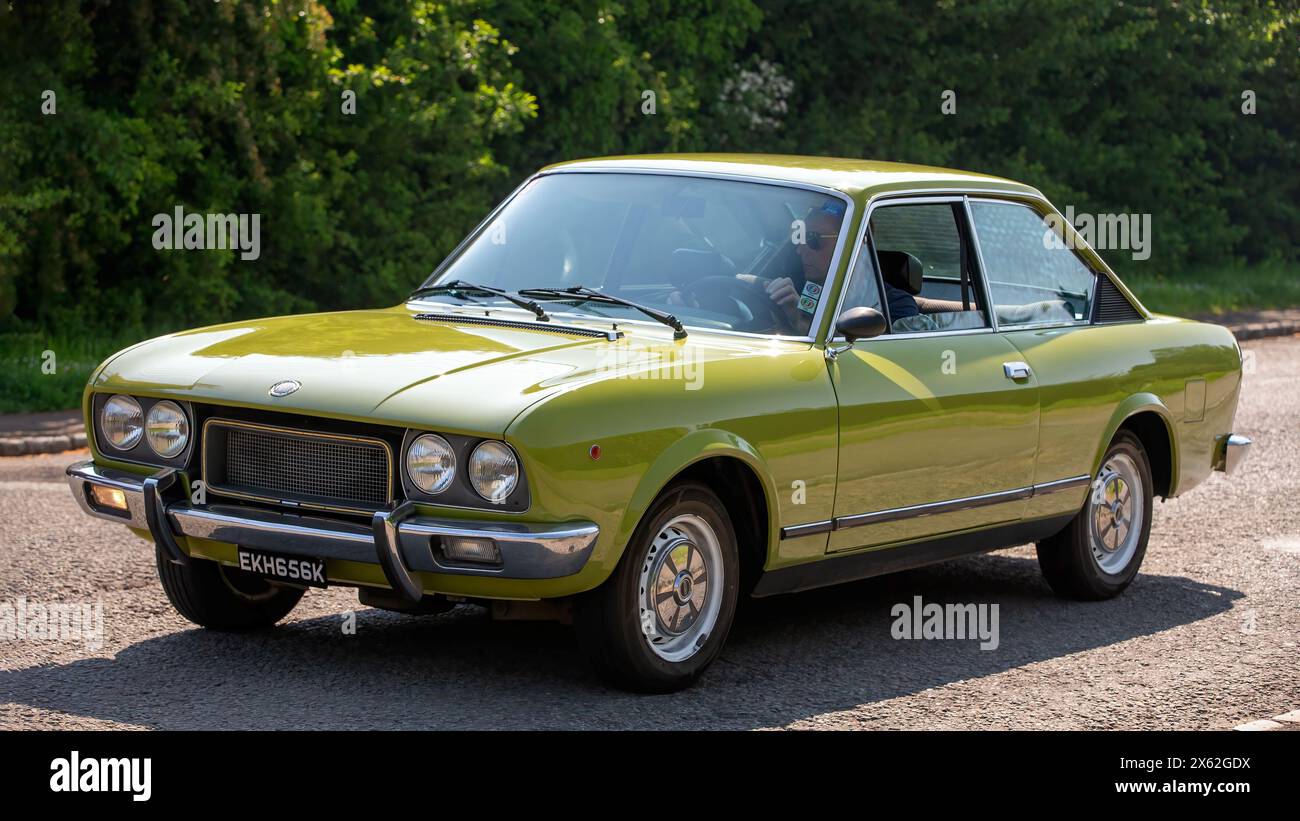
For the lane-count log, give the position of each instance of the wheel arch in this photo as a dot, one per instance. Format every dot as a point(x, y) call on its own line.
point(1147, 418)
point(735, 471)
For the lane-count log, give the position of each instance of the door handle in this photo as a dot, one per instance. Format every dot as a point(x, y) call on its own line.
point(1016, 370)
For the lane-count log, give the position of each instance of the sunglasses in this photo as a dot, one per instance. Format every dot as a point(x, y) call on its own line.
point(814, 239)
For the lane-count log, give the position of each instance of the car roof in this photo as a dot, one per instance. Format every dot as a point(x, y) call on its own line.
point(852, 177)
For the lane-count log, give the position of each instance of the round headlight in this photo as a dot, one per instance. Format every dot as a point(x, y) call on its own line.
point(493, 471)
point(167, 429)
point(431, 463)
point(122, 422)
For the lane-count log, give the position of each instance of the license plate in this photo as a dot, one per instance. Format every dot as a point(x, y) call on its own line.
point(291, 569)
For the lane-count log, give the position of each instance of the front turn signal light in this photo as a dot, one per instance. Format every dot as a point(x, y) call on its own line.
point(108, 497)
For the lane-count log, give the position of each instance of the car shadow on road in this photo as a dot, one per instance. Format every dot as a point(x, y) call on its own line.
point(788, 658)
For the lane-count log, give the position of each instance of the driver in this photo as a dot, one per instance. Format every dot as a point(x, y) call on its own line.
point(815, 256)
point(821, 231)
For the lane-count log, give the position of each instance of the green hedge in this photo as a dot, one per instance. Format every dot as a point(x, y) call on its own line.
point(236, 107)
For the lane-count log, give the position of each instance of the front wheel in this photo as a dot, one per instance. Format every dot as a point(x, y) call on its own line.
point(664, 614)
point(223, 598)
point(1098, 554)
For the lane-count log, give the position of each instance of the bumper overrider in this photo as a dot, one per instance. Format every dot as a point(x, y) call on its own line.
point(1230, 451)
point(400, 540)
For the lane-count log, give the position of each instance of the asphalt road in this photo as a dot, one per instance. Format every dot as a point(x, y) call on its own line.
point(1205, 638)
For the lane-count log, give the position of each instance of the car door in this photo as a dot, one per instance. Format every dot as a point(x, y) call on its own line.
point(938, 421)
point(1044, 297)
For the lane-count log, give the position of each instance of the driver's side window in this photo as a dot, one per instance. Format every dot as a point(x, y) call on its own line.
point(927, 267)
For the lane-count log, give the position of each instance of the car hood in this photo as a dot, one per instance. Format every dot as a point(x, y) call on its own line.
point(383, 366)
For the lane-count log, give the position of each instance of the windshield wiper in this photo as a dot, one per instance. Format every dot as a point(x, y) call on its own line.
point(457, 285)
point(581, 292)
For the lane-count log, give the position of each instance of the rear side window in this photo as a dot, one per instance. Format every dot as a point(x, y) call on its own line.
point(1032, 277)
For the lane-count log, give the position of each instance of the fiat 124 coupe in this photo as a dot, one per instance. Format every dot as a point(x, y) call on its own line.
point(645, 387)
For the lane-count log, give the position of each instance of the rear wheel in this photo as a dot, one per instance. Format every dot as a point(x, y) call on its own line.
point(1099, 553)
point(223, 598)
point(664, 614)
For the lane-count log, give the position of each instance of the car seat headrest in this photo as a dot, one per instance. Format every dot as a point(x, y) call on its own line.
point(902, 270)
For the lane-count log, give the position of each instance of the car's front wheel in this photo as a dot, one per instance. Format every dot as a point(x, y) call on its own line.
point(1099, 553)
point(664, 614)
point(223, 598)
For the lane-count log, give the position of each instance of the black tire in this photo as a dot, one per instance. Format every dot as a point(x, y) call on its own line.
point(1068, 559)
point(608, 619)
point(223, 598)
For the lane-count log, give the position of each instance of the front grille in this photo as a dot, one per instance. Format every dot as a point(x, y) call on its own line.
point(1112, 305)
point(303, 467)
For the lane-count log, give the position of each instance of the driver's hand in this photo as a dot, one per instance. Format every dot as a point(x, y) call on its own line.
point(782, 292)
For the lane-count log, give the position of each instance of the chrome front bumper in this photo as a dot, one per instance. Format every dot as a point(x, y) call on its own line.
point(1230, 451)
point(399, 540)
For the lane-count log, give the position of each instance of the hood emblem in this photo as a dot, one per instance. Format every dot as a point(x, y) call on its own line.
point(284, 388)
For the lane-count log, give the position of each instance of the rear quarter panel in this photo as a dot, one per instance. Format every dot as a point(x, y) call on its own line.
point(1093, 378)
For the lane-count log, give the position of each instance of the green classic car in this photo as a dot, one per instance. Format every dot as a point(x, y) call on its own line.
point(644, 387)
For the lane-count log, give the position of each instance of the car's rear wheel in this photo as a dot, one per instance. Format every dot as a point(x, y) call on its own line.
point(223, 598)
point(1099, 553)
point(664, 614)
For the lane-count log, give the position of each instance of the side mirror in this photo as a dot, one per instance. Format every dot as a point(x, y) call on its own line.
point(861, 323)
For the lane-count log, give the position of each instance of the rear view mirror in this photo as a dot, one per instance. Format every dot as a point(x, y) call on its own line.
point(861, 323)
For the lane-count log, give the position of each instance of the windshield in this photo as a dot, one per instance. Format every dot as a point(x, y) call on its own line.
point(722, 254)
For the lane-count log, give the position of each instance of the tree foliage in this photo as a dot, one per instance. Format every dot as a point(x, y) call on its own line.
point(237, 107)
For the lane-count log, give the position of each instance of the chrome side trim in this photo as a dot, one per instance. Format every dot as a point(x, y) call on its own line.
point(809, 529)
point(935, 508)
point(1062, 484)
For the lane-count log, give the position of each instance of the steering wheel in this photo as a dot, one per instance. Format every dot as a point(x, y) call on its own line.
point(727, 294)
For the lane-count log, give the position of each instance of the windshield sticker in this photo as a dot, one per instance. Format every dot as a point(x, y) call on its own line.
point(808, 302)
